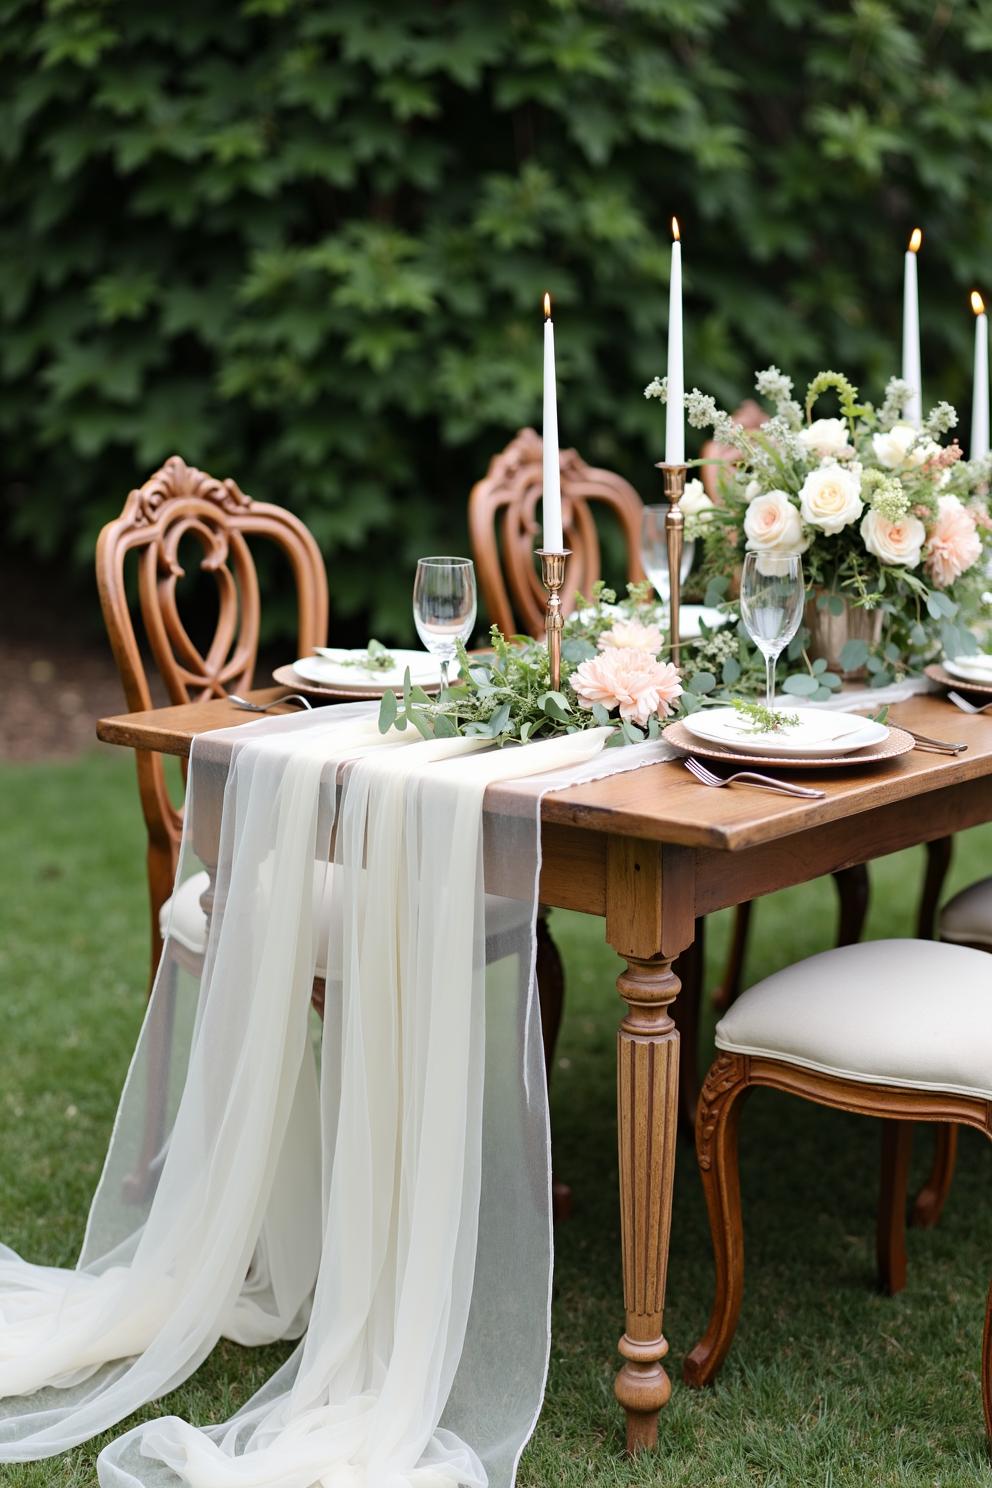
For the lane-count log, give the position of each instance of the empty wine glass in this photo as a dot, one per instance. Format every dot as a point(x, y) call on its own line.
point(773, 593)
point(654, 552)
point(444, 606)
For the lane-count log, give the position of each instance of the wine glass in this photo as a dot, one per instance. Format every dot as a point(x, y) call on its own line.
point(444, 606)
point(773, 593)
point(654, 552)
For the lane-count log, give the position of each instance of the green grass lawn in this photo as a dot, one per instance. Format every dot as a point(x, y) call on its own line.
point(828, 1383)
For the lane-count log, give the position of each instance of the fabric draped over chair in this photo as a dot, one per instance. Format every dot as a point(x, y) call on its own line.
point(393, 1208)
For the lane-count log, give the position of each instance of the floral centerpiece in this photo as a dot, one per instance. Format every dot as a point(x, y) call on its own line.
point(611, 674)
point(892, 524)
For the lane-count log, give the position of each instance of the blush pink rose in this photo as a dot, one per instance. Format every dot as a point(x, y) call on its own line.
point(631, 635)
point(632, 681)
point(954, 544)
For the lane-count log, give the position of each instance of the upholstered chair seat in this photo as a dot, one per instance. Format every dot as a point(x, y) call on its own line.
point(967, 918)
point(506, 919)
point(912, 1013)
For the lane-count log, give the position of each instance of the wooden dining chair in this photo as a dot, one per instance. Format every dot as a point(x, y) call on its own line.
point(504, 530)
point(182, 515)
point(852, 1029)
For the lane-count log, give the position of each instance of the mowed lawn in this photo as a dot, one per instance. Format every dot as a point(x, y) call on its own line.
point(828, 1382)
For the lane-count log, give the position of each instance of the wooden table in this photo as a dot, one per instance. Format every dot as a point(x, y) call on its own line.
point(649, 851)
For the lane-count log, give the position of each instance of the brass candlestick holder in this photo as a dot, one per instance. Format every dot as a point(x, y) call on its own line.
point(553, 576)
point(673, 484)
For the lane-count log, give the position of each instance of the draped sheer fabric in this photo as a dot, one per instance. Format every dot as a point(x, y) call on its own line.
point(389, 1209)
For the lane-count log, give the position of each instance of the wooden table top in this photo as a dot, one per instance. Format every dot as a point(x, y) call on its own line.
point(662, 802)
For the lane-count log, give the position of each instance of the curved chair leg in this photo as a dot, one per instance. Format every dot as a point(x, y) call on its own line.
point(890, 1233)
point(929, 1202)
point(551, 993)
point(729, 986)
point(685, 1013)
point(852, 889)
point(938, 862)
point(716, 1149)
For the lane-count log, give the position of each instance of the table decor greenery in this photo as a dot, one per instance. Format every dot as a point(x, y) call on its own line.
point(890, 521)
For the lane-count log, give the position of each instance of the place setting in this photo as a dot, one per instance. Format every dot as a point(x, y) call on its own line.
point(444, 611)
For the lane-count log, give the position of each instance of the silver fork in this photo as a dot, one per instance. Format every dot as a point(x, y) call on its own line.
point(750, 777)
point(250, 707)
point(965, 706)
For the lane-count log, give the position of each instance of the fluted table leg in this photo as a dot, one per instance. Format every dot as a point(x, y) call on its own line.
point(648, 929)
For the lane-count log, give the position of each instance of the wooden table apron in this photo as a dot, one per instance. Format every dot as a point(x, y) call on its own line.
point(649, 851)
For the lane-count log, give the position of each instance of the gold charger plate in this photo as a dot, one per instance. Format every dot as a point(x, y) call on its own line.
point(898, 742)
point(936, 673)
point(287, 676)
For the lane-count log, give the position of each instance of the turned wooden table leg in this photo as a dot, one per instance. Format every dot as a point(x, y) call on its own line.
point(649, 929)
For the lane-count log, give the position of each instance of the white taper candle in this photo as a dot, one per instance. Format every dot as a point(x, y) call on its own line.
point(980, 385)
point(551, 504)
point(911, 331)
point(674, 411)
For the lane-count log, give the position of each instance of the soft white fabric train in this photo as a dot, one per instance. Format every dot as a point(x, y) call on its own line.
point(400, 1208)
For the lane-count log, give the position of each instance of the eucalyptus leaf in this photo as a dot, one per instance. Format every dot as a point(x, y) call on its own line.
point(800, 684)
point(388, 709)
point(854, 654)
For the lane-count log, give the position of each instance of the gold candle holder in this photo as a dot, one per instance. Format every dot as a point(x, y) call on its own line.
point(673, 484)
point(553, 576)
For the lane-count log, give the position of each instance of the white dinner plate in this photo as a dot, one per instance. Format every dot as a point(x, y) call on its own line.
point(326, 669)
point(976, 668)
point(817, 733)
point(690, 617)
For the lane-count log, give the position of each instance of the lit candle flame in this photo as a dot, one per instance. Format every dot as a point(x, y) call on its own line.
point(977, 303)
point(675, 229)
point(547, 306)
point(915, 239)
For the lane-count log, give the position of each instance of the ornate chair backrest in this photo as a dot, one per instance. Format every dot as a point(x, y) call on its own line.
point(749, 415)
point(180, 503)
point(504, 528)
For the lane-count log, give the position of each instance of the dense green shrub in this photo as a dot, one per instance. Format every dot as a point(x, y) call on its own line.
point(304, 241)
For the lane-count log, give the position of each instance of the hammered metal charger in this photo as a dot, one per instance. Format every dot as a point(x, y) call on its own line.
point(936, 673)
point(897, 743)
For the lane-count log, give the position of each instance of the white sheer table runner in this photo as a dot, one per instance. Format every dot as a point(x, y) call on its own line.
point(389, 1208)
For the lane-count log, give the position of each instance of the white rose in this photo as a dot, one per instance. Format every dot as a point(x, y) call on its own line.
point(830, 497)
point(898, 543)
point(695, 502)
point(825, 437)
point(752, 489)
point(772, 525)
point(892, 449)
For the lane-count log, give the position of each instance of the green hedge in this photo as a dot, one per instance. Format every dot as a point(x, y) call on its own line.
point(303, 242)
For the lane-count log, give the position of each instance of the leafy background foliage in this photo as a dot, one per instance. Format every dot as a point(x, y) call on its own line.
point(304, 243)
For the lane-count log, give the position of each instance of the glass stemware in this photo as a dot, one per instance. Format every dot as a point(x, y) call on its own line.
point(773, 593)
point(654, 552)
point(444, 604)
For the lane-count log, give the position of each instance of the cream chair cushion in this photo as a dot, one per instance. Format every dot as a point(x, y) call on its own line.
point(913, 1013)
point(968, 916)
point(505, 919)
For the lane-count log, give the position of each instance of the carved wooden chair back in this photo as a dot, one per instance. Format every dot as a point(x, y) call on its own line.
point(504, 528)
point(749, 415)
point(179, 505)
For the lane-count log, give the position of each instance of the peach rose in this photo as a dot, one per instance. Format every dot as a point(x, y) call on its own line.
point(632, 681)
point(631, 635)
point(954, 544)
point(899, 543)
